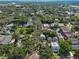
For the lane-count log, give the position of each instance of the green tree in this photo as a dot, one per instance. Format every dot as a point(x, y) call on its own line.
point(76, 52)
point(49, 33)
point(4, 49)
point(21, 19)
point(45, 18)
point(16, 53)
point(65, 47)
point(53, 34)
point(45, 52)
point(16, 36)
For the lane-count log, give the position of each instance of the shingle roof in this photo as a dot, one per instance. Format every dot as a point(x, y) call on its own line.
point(5, 39)
point(33, 56)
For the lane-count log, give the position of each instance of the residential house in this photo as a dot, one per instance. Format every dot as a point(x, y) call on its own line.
point(55, 47)
point(66, 32)
point(59, 35)
point(61, 25)
point(55, 39)
point(49, 39)
point(75, 43)
point(5, 39)
point(45, 26)
point(42, 36)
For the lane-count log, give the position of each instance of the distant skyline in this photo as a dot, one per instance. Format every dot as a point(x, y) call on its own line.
point(39, 0)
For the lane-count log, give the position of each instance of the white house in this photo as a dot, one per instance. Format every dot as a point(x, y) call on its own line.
point(10, 25)
point(52, 25)
point(61, 25)
point(46, 25)
point(5, 39)
point(59, 35)
point(5, 31)
point(42, 36)
point(55, 47)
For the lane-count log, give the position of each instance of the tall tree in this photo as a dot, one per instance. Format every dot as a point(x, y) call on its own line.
point(65, 47)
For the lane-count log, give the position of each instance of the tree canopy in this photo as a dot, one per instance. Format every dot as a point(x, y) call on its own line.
point(65, 47)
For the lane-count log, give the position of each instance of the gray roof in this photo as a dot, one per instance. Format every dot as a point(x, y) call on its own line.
point(74, 40)
point(5, 39)
point(75, 46)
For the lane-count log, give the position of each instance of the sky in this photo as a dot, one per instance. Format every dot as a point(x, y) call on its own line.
point(39, 0)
